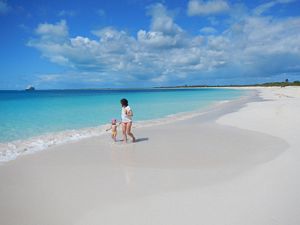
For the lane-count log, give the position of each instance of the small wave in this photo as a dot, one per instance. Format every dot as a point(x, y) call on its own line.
point(11, 150)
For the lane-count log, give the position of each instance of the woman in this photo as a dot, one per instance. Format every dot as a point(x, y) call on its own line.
point(126, 116)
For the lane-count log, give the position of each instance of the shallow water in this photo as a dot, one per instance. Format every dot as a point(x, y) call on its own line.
point(31, 121)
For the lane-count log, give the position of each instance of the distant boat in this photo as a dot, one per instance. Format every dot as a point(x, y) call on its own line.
point(30, 88)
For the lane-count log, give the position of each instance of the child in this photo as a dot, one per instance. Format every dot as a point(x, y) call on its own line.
point(113, 129)
point(126, 115)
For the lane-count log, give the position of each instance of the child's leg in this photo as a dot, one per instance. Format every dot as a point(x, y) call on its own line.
point(124, 132)
point(114, 137)
point(128, 131)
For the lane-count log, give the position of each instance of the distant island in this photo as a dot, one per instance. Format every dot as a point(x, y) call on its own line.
point(269, 84)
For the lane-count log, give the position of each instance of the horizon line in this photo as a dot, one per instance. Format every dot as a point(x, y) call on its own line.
point(276, 83)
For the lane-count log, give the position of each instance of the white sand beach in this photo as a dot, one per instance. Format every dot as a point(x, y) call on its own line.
point(236, 164)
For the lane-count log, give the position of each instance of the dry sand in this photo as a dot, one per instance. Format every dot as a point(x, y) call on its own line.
point(237, 164)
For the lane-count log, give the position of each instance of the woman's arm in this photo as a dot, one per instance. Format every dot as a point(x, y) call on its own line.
point(129, 112)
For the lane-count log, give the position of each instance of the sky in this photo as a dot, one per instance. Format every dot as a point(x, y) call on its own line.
point(62, 44)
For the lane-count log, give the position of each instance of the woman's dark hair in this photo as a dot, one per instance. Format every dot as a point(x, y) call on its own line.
point(124, 102)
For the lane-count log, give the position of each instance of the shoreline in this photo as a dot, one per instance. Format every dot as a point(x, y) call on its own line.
point(275, 84)
point(234, 165)
point(17, 148)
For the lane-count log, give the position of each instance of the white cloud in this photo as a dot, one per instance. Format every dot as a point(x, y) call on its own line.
point(4, 7)
point(53, 40)
point(208, 30)
point(162, 20)
point(264, 35)
point(266, 6)
point(164, 32)
point(155, 39)
point(200, 7)
point(251, 46)
point(52, 31)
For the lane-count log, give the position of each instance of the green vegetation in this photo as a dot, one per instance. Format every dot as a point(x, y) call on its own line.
point(281, 84)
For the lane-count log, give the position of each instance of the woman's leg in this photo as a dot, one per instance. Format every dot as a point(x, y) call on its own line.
point(124, 125)
point(128, 131)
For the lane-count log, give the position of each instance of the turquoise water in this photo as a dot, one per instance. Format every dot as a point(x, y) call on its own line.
point(28, 114)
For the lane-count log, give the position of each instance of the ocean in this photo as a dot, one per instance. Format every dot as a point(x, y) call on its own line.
point(38, 119)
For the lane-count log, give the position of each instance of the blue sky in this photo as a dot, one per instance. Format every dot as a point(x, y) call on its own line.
point(135, 43)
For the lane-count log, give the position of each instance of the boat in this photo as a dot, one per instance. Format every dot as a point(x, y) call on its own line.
point(30, 88)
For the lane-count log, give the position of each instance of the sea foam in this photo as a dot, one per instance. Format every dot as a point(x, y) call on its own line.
point(11, 150)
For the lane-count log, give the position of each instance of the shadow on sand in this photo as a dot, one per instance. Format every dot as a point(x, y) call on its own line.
point(136, 140)
point(141, 139)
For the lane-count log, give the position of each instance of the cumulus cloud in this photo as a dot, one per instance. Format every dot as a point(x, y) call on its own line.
point(53, 38)
point(162, 20)
point(52, 31)
point(164, 32)
point(199, 7)
point(252, 46)
point(4, 7)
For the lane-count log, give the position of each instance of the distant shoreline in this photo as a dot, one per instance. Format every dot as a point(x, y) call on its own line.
point(269, 84)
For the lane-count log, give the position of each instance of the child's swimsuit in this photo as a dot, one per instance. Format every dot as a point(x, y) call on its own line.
point(114, 132)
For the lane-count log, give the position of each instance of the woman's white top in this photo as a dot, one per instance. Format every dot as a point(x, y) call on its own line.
point(126, 118)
